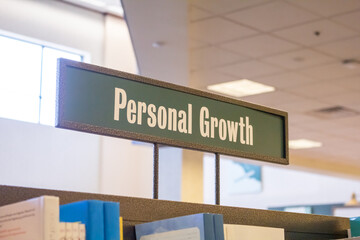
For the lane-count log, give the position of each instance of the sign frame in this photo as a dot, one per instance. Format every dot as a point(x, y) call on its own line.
point(83, 127)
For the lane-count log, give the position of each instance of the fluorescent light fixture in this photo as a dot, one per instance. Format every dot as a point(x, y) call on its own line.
point(96, 3)
point(303, 143)
point(241, 88)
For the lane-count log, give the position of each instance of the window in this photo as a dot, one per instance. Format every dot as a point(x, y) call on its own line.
point(28, 79)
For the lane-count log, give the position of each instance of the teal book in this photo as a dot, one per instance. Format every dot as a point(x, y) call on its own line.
point(193, 227)
point(88, 212)
point(219, 226)
point(355, 226)
point(111, 220)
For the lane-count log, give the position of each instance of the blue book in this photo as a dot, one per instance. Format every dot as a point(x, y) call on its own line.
point(219, 226)
point(355, 226)
point(111, 220)
point(197, 226)
point(88, 212)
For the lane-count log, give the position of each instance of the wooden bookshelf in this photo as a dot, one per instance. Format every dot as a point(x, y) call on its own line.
point(139, 210)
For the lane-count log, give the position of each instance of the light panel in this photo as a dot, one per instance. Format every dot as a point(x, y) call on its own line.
point(241, 88)
point(303, 144)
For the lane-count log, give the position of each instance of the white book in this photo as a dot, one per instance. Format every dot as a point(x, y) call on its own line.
point(33, 219)
point(247, 232)
point(62, 231)
point(76, 230)
point(82, 232)
point(69, 231)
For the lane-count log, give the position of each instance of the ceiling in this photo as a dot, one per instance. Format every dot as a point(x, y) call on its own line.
point(297, 46)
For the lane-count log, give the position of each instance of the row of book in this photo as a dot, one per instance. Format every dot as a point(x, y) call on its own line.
point(204, 226)
point(72, 231)
point(43, 218)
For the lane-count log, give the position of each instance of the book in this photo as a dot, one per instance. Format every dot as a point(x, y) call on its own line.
point(247, 232)
point(62, 231)
point(121, 228)
point(82, 232)
point(75, 230)
point(33, 219)
point(191, 227)
point(355, 226)
point(111, 220)
point(219, 226)
point(88, 212)
point(68, 231)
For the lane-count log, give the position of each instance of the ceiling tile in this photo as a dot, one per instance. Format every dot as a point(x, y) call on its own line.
point(250, 69)
point(303, 106)
point(330, 71)
point(195, 44)
point(273, 16)
point(353, 122)
point(224, 6)
point(285, 80)
point(346, 99)
point(350, 20)
point(272, 99)
point(198, 14)
point(211, 57)
point(317, 90)
point(345, 49)
point(217, 30)
point(202, 78)
point(305, 34)
point(352, 83)
point(259, 46)
point(327, 7)
point(300, 120)
point(298, 59)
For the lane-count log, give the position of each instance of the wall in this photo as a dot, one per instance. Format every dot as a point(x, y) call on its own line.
point(41, 156)
point(282, 186)
point(55, 22)
point(34, 155)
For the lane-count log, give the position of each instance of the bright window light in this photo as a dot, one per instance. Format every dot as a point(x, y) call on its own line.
point(28, 80)
point(19, 80)
point(241, 88)
point(303, 143)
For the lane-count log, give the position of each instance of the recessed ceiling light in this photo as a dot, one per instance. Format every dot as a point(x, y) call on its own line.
point(303, 143)
point(351, 63)
point(241, 88)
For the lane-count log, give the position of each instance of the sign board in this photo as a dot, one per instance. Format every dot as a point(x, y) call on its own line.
point(113, 103)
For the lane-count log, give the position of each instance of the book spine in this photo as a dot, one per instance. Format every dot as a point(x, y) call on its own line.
point(209, 230)
point(62, 231)
point(82, 232)
point(95, 226)
point(75, 230)
point(219, 226)
point(50, 217)
point(111, 220)
point(121, 228)
point(68, 231)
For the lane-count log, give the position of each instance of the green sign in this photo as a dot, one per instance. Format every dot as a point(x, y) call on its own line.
point(108, 102)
